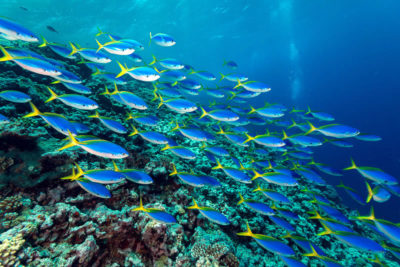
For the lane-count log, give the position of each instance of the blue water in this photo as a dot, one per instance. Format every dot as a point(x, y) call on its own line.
point(341, 57)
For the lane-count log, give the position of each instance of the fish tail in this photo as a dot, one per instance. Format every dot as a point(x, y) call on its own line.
point(151, 37)
point(97, 72)
point(370, 192)
point(204, 113)
point(248, 231)
point(35, 111)
point(312, 128)
point(165, 148)
point(241, 199)
point(313, 253)
point(115, 166)
point(6, 55)
point(308, 110)
point(123, 70)
point(249, 138)
point(233, 95)
point(294, 124)
point(100, 46)
point(161, 100)
point(106, 92)
point(74, 49)
point(135, 131)
point(327, 231)
point(221, 131)
point(99, 32)
point(174, 171)
point(174, 83)
point(258, 188)
point(52, 97)
point(239, 83)
point(253, 110)
point(222, 76)
point(352, 167)
point(284, 135)
point(140, 208)
point(45, 43)
point(219, 166)
point(70, 177)
point(154, 60)
point(73, 142)
point(96, 115)
point(195, 206)
point(115, 89)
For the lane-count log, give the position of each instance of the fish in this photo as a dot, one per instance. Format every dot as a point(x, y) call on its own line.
point(210, 213)
point(31, 64)
point(76, 87)
point(162, 39)
point(387, 228)
point(100, 176)
point(180, 151)
point(116, 48)
point(276, 178)
point(256, 206)
point(178, 105)
point(231, 64)
point(98, 147)
point(144, 74)
point(334, 130)
point(189, 178)
point(73, 100)
point(320, 115)
point(168, 63)
point(58, 122)
point(59, 49)
point(90, 54)
point(50, 28)
point(265, 140)
point(253, 86)
point(378, 194)
point(273, 195)
point(191, 133)
point(152, 137)
point(353, 239)
point(204, 75)
point(134, 175)
point(234, 173)
point(14, 31)
point(23, 8)
point(267, 111)
point(302, 140)
point(128, 98)
point(352, 193)
point(233, 77)
point(220, 115)
point(93, 188)
point(368, 137)
point(147, 120)
point(15, 96)
point(158, 215)
point(373, 174)
point(111, 124)
point(325, 259)
point(190, 84)
point(269, 243)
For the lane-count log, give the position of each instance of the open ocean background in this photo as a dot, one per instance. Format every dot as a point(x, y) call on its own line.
point(340, 57)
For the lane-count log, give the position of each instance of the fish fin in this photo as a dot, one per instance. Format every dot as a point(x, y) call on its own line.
point(204, 113)
point(166, 147)
point(135, 131)
point(45, 43)
point(370, 192)
point(154, 60)
point(140, 208)
point(239, 84)
point(352, 167)
point(249, 138)
point(312, 128)
point(35, 111)
point(106, 92)
point(73, 142)
point(115, 167)
point(241, 199)
point(100, 46)
point(195, 206)
point(252, 110)
point(124, 70)
point(74, 49)
point(96, 115)
point(284, 135)
point(174, 171)
point(248, 231)
point(6, 55)
point(219, 166)
point(52, 97)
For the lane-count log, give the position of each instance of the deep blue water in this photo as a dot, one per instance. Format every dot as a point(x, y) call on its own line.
point(341, 57)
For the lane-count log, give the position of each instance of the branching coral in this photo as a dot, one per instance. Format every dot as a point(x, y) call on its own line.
point(8, 250)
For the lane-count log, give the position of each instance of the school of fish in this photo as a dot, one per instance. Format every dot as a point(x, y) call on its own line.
point(228, 114)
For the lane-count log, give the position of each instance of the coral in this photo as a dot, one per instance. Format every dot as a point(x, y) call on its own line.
point(8, 250)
